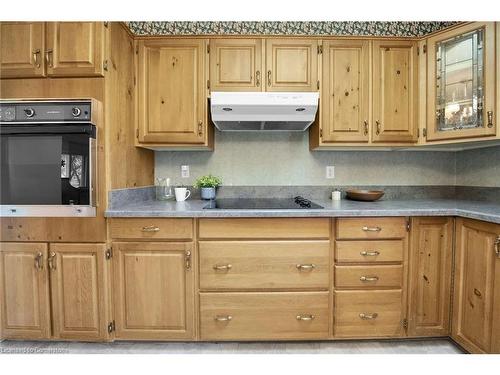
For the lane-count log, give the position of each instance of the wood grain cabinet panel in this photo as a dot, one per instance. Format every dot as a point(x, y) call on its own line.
point(292, 65)
point(24, 291)
point(236, 65)
point(75, 49)
point(430, 276)
point(369, 251)
point(369, 276)
point(371, 228)
point(246, 265)
point(395, 91)
point(79, 284)
point(154, 290)
point(172, 91)
point(345, 91)
point(151, 228)
point(22, 49)
point(477, 277)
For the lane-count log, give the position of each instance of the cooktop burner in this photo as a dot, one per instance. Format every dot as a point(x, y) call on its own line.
point(261, 204)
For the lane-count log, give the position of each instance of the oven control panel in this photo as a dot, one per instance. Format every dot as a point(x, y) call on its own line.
point(45, 111)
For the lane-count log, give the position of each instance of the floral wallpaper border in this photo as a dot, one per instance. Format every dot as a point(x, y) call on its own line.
point(334, 28)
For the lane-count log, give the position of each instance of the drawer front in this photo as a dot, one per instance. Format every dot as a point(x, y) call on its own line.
point(258, 228)
point(371, 228)
point(369, 251)
point(361, 277)
point(264, 264)
point(264, 316)
point(152, 229)
point(373, 313)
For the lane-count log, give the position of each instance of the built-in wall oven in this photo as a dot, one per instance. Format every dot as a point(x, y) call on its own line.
point(48, 158)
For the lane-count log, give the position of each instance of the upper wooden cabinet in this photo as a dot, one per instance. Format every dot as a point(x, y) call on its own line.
point(476, 303)
point(461, 83)
point(24, 291)
point(236, 65)
point(291, 65)
point(22, 49)
point(75, 49)
point(172, 92)
point(395, 91)
point(345, 91)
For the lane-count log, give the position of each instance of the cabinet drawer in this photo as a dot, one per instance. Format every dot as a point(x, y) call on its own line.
point(371, 228)
point(152, 228)
point(264, 316)
point(276, 228)
point(369, 277)
point(264, 264)
point(369, 251)
point(373, 313)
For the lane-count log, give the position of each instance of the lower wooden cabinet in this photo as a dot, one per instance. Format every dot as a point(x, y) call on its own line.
point(154, 290)
point(431, 258)
point(476, 304)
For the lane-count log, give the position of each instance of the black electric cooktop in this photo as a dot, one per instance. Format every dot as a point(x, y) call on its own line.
point(261, 204)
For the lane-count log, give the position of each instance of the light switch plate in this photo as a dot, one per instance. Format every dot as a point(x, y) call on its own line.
point(330, 172)
point(185, 171)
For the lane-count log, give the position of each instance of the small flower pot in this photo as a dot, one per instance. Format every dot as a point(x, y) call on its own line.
point(207, 193)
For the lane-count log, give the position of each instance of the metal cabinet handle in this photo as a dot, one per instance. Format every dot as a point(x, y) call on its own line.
point(477, 292)
point(150, 228)
point(200, 128)
point(39, 261)
point(187, 259)
point(222, 267)
point(366, 127)
point(49, 57)
point(305, 267)
point(269, 78)
point(365, 316)
point(305, 317)
point(36, 57)
point(369, 253)
point(368, 278)
point(497, 246)
point(371, 229)
point(51, 261)
point(378, 126)
point(490, 119)
point(257, 78)
point(223, 318)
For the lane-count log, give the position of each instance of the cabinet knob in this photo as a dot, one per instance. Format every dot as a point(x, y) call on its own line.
point(371, 229)
point(222, 267)
point(39, 261)
point(200, 128)
point(497, 246)
point(223, 318)
point(269, 76)
point(368, 278)
point(51, 261)
point(305, 317)
point(36, 57)
point(490, 119)
point(369, 253)
point(150, 228)
point(378, 127)
point(257, 78)
point(365, 123)
point(306, 267)
point(366, 316)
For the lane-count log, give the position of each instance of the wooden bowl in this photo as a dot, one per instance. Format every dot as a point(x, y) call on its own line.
point(364, 195)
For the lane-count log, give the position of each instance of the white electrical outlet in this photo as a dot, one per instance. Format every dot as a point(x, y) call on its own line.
point(185, 171)
point(330, 171)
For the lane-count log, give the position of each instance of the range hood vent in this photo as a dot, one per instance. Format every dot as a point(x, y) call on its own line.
point(263, 111)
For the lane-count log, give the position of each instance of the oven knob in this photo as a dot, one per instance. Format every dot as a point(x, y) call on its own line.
point(30, 112)
point(75, 111)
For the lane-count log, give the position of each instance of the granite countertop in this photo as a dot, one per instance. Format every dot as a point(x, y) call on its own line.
point(486, 211)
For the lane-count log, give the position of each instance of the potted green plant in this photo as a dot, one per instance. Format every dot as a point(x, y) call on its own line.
point(207, 185)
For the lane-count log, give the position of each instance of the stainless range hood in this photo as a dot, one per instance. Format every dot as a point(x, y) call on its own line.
point(263, 111)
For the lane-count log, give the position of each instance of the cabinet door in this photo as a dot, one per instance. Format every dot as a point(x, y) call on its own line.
point(172, 94)
point(474, 284)
point(79, 286)
point(236, 65)
point(24, 291)
point(154, 290)
point(345, 91)
point(395, 91)
point(461, 83)
point(75, 49)
point(22, 49)
point(292, 65)
point(430, 276)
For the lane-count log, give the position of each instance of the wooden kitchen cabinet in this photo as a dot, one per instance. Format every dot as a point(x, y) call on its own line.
point(172, 95)
point(154, 290)
point(430, 276)
point(477, 286)
point(75, 49)
point(236, 65)
point(24, 291)
point(395, 91)
point(345, 92)
point(79, 279)
point(292, 65)
point(22, 49)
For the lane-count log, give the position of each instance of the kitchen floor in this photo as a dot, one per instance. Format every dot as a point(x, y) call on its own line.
point(432, 346)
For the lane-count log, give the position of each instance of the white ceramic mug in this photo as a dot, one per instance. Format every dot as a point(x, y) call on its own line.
point(181, 194)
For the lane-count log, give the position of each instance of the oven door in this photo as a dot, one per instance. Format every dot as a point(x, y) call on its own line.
point(48, 170)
